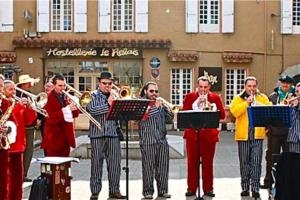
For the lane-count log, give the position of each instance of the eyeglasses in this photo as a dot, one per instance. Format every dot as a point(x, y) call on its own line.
point(151, 91)
point(106, 83)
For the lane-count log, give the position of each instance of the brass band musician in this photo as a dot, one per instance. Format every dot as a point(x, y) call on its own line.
point(250, 140)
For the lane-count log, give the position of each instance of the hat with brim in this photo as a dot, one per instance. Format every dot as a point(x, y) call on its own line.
point(105, 75)
point(286, 79)
point(25, 78)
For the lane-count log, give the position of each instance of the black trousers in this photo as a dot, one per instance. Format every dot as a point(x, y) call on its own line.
point(288, 177)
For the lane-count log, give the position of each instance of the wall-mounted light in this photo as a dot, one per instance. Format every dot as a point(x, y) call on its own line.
point(168, 11)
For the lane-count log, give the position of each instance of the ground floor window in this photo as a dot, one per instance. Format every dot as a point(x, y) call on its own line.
point(83, 75)
point(234, 83)
point(181, 84)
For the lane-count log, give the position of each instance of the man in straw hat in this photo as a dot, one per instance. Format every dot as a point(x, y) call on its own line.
point(25, 83)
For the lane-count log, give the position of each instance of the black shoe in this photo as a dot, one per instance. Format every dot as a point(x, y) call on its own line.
point(255, 195)
point(210, 194)
point(264, 186)
point(94, 196)
point(117, 195)
point(189, 194)
point(245, 193)
point(26, 179)
point(165, 195)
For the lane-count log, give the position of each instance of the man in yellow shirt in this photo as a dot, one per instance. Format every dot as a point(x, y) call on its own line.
point(250, 140)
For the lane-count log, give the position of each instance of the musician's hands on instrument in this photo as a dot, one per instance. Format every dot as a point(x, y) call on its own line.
point(72, 106)
point(110, 99)
point(24, 101)
point(158, 103)
point(250, 99)
point(294, 103)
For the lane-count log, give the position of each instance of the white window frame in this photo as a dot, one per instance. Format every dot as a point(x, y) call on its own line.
point(296, 14)
point(6, 16)
point(62, 16)
point(123, 15)
point(209, 26)
point(181, 93)
point(238, 83)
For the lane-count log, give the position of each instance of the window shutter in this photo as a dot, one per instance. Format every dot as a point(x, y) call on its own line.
point(104, 15)
point(286, 16)
point(42, 15)
point(6, 16)
point(80, 17)
point(227, 16)
point(141, 16)
point(191, 12)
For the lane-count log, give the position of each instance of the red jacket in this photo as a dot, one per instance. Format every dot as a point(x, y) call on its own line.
point(58, 133)
point(24, 116)
point(208, 134)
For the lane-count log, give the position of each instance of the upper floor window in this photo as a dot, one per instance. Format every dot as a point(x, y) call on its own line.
point(290, 16)
point(209, 16)
point(61, 15)
point(122, 15)
point(6, 16)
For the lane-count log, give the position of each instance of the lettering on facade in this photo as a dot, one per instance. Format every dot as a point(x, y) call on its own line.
point(94, 52)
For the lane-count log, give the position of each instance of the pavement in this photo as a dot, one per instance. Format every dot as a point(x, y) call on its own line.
point(226, 171)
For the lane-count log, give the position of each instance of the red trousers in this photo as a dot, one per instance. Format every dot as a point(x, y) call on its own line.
point(16, 175)
point(3, 173)
point(207, 153)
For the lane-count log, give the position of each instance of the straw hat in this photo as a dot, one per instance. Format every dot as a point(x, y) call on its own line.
point(25, 78)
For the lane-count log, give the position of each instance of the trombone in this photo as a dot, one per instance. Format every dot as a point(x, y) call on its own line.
point(169, 105)
point(123, 92)
point(84, 99)
point(36, 102)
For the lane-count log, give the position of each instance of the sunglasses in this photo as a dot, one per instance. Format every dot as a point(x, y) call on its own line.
point(106, 83)
point(152, 91)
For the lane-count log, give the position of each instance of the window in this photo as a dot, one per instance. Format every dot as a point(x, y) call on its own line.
point(296, 12)
point(181, 84)
point(122, 15)
point(61, 15)
point(63, 67)
point(127, 73)
point(209, 15)
point(234, 83)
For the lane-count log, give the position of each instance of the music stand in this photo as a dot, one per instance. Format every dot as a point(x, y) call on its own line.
point(271, 115)
point(198, 119)
point(126, 110)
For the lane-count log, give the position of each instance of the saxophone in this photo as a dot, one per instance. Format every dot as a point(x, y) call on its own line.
point(4, 142)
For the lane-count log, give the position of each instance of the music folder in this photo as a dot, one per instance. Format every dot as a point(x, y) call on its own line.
point(269, 115)
point(198, 119)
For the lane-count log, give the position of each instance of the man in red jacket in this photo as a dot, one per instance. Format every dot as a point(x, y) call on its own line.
point(208, 137)
point(59, 132)
point(24, 115)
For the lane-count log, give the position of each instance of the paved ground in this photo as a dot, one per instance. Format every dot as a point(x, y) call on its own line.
point(226, 182)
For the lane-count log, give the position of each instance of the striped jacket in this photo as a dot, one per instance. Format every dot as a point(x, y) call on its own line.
point(294, 130)
point(153, 129)
point(98, 108)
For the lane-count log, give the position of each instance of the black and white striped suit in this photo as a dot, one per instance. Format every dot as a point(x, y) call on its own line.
point(293, 138)
point(155, 150)
point(105, 144)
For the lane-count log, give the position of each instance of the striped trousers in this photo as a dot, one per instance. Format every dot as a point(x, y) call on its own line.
point(294, 147)
point(250, 157)
point(155, 163)
point(107, 148)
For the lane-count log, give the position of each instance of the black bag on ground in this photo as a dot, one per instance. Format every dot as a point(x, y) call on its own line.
point(39, 189)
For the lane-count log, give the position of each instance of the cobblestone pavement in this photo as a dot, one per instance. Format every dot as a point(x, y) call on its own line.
point(226, 182)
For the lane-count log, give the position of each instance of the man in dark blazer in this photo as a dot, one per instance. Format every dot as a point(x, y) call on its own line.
point(201, 100)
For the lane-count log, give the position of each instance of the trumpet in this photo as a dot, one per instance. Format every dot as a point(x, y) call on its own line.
point(36, 102)
point(84, 99)
point(170, 106)
point(123, 92)
point(289, 101)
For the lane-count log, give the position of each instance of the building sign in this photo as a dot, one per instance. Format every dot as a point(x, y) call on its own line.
point(214, 75)
point(155, 74)
point(154, 62)
point(94, 52)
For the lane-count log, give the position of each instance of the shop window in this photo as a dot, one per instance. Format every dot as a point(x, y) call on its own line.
point(91, 66)
point(127, 73)
point(181, 84)
point(61, 15)
point(234, 83)
point(85, 83)
point(62, 67)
